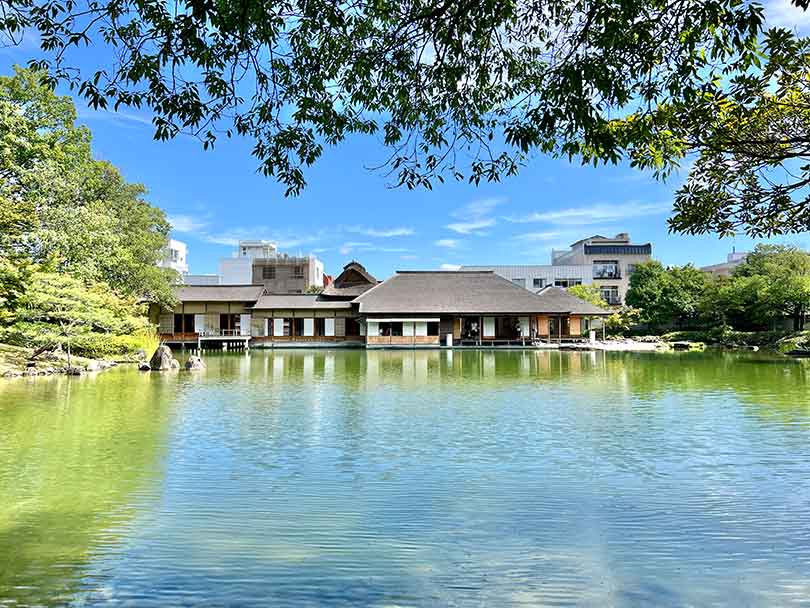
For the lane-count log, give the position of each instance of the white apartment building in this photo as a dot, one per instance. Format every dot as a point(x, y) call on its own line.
point(175, 256)
point(606, 262)
point(536, 277)
point(238, 269)
point(725, 269)
point(259, 262)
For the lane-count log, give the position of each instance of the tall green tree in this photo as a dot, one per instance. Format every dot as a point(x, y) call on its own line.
point(56, 310)
point(666, 295)
point(740, 302)
point(784, 272)
point(62, 206)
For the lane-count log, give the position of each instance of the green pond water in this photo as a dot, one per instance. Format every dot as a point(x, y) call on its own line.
point(400, 478)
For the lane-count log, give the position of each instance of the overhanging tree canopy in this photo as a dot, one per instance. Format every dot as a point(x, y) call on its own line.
point(466, 89)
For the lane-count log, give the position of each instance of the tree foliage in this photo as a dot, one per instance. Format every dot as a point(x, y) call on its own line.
point(589, 293)
point(666, 295)
point(56, 310)
point(782, 273)
point(623, 320)
point(749, 133)
point(59, 205)
point(464, 89)
point(772, 284)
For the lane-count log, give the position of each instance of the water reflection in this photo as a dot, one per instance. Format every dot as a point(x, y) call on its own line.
point(74, 454)
point(412, 478)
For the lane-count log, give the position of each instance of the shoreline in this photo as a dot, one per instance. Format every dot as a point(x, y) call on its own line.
point(16, 362)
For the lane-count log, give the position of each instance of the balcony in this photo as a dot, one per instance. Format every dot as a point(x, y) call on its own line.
point(607, 269)
point(606, 274)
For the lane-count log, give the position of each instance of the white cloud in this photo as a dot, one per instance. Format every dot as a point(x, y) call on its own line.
point(450, 267)
point(380, 232)
point(474, 216)
point(347, 248)
point(351, 246)
point(471, 227)
point(479, 208)
point(448, 243)
point(119, 117)
point(783, 13)
point(539, 236)
point(186, 223)
point(284, 240)
point(580, 216)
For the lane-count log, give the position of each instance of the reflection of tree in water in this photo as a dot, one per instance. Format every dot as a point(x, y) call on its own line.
point(771, 382)
point(73, 454)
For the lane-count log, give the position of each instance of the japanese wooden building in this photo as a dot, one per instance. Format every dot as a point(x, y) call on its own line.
point(410, 309)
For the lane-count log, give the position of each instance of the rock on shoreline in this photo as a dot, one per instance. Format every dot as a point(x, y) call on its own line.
point(34, 368)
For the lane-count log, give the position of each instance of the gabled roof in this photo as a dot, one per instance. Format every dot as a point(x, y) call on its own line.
point(297, 301)
point(558, 300)
point(218, 293)
point(351, 282)
point(463, 292)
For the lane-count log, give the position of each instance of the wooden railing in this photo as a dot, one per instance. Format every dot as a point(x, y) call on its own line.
point(402, 340)
point(309, 338)
point(216, 333)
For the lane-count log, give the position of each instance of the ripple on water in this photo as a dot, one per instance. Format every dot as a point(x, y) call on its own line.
point(411, 479)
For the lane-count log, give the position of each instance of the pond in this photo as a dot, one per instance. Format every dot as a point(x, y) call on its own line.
point(411, 478)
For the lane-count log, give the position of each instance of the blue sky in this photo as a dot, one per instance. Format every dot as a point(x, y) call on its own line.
point(348, 211)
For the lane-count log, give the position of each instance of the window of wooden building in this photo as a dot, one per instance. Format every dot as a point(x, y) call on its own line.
point(183, 324)
point(352, 327)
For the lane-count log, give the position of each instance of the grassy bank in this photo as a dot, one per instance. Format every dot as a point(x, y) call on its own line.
point(15, 358)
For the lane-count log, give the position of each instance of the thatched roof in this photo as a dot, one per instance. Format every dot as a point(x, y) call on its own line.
point(353, 281)
point(465, 292)
point(218, 293)
point(297, 301)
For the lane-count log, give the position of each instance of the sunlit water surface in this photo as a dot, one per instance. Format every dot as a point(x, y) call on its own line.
point(428, 478)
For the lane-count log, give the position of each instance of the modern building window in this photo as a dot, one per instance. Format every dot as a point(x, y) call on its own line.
point(538, 282)
point(519, 282)
point(268, 272)
point(567, 282)
point(610, 294)
point(298, 272)
point(606, 269)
